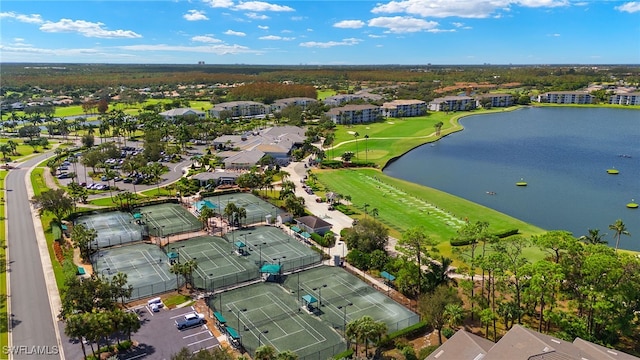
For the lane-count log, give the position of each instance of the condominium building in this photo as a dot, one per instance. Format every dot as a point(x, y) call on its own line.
point(404, 108)
point(302, 102)
point(496, 100)
point(240, 108)
point(354, 114)
point(566, 97)
point(625, 99)
point(175, 114)
point(452, 103)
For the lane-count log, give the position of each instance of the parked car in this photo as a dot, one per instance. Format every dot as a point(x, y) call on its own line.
point(189, 320)
point(63, 176)
point(127, 180)
point(104, 178)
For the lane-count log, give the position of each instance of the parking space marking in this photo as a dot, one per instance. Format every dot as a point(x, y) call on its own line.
point(199, 341)
point(196, 334)
point(207, 348)
point(177, 316)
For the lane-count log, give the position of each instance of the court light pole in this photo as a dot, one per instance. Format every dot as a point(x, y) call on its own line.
point(319, 289)
point(260, 249)
point(344, 316)
point(260, 336)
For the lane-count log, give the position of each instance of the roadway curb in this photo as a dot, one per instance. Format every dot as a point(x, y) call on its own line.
point(47, 268)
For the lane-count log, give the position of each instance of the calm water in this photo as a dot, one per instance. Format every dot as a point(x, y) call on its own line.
point(563, 155)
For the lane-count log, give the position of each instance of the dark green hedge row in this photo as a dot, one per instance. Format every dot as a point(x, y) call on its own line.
point(500, 235)
point(410, 331)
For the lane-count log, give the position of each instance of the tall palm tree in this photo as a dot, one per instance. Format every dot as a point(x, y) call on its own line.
point(366, 148)
point(356, 136)
point(620, 229)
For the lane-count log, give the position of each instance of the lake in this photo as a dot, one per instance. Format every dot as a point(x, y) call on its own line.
point(562, 153)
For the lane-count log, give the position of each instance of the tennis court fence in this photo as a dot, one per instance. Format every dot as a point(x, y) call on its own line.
point(326, 353)
point(121, 238)
point(156, 288)
point(218, 282)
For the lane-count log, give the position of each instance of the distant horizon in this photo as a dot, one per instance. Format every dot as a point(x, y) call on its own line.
point(316, 65)
point(321, 32)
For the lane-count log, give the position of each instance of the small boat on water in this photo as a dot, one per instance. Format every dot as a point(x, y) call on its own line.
point(491, 192)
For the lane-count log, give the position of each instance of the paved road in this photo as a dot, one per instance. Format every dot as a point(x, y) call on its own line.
point(32, 321)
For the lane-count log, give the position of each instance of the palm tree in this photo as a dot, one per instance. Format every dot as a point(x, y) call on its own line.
point(455, 314)
point(594, 237)
point(5, 149)
point(366, 148)
point(265, 352)
point(356, 136)
point(620, 229)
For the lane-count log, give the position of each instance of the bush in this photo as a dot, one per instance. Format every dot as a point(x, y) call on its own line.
point(331, 164)
point(410, 331)
point(507, 233)
point(426, 351)
point(348, 354)
point(125, 345)
point(460, 242)
point(448, 332)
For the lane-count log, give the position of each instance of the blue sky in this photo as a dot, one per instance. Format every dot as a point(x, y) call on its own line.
point(317, 32)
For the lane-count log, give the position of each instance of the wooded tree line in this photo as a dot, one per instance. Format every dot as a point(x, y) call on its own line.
point(583, 288)
point(16, 77)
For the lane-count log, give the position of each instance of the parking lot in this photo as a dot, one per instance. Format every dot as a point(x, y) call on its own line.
point(158, 337)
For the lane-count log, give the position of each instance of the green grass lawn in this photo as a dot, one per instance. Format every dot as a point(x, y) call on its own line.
point(402, 205)
point(394, 137)
point(4, 324)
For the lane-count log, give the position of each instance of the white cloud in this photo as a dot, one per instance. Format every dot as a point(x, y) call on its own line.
point(234, 33)
point(31, 18)
point(298, 18)
point(52, 52)
point(87, 29)
point(630, 7)
point(459, 8)
point(261, 6)
point(349, 24)
point(276, 37)
point(373, 36)
point(402, 24)
point(329, 44)
point(457, 24)
point(195, 15)
point(309, 29)
point(263, 27)
point(219, 3)
point(206, 39)
point(222, 49)
point(256, 16)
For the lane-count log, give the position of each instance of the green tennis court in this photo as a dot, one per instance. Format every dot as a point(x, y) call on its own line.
point(257, 209)
point(263, 314)
point(146, 267)
point(168, 219)
point(112, 228)
point(218, 264)
point(271, 245)
point(343, 297)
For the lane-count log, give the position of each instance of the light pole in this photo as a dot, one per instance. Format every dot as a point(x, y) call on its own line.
point(319, 289)
point(344, 316)
point(260, 250)
point(260, 336)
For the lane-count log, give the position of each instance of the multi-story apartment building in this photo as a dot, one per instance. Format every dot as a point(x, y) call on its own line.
point(404, 108)
point(566, 97)
point(302, 102)
point(452, 103)
point(240, 108)
point(354, 114)
point(625, 99)
point(174, 114)
point(496, 100)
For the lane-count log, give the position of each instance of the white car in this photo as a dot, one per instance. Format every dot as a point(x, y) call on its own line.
point(189, 320)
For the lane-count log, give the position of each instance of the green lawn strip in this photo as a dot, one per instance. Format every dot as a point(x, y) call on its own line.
point(394, 137)
point(402, 205)
point(177, 299)
point(39, 185)
point(4, 319)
